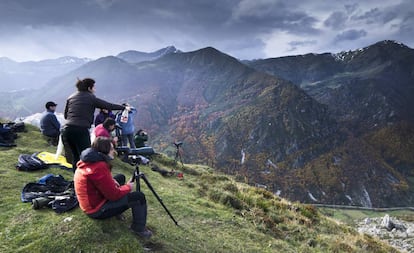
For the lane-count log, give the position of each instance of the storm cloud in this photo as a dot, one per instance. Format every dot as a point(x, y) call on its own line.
point(245, 29)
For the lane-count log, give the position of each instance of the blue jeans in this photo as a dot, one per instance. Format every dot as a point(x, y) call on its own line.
point(128, 138)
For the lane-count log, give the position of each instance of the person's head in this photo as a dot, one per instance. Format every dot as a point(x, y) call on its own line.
point(103, 145)
point(51, 106)
point(105, 111)
point(141, 132)
point(87, 84)
point(109, 124)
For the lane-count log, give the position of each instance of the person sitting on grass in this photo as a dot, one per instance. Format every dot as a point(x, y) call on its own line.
point(49, 125)
point(105, 129)
point(140, 138)
point(102, 196)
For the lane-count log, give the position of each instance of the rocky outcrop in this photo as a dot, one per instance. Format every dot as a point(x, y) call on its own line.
point(396, 232)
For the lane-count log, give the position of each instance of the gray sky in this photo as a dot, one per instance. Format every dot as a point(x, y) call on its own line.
point(245, 29)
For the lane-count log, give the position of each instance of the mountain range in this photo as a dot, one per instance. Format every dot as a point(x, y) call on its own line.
point(316, 128)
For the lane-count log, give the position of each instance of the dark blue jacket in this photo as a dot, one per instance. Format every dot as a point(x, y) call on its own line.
point(101, 116)
point(49, 125)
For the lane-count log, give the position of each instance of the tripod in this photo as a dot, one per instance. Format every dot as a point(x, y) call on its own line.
point(136, 176)
point(178, 153)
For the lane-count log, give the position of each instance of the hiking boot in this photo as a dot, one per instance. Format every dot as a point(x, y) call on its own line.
point(145, 234)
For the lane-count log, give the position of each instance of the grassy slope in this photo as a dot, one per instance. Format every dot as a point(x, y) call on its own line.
point(215, 214)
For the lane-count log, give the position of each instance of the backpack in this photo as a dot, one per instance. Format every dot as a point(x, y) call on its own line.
point(51, 191)
point(16, 126)
point(7, 136)
point(27, 162)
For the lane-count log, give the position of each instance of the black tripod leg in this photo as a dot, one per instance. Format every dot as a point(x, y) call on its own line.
point(135, 177)
point(181, 160)
point(158, 198)
point(178, 157)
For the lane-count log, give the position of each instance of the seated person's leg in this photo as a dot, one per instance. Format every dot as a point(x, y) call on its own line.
point(111, 208)
point(138, 205)
point(52, 140)
point(55, 140)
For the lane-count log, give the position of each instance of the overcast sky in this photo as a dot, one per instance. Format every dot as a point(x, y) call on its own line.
point(245, 29)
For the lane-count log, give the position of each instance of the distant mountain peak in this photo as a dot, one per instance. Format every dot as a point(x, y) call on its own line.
point(211, 55)
point(169, 49)
point(384, 46)
point(134, 56)
point(212, 52)
point(390, 42)
point(64, 60)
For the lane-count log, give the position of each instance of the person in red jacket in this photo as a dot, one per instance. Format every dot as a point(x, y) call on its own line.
point(100, 195)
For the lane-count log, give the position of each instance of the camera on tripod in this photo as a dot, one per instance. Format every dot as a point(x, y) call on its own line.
point(178, 144)
point(135, 155)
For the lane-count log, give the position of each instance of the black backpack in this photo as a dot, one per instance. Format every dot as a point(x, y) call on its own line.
point(7, 136)
point(51, 191)
point(27, 162)
point(17, 126)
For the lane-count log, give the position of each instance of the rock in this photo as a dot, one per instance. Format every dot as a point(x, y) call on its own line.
point(397, 233)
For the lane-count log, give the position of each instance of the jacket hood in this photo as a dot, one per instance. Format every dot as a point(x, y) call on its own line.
point(90, 155)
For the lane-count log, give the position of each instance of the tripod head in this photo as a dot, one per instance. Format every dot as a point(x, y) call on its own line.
point(178, 144)
point(135, 156)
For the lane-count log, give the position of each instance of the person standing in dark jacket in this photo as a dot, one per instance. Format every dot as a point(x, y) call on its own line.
point(49, 125)
point(79, 114)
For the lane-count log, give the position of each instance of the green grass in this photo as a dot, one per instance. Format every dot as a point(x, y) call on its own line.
point(214, 213)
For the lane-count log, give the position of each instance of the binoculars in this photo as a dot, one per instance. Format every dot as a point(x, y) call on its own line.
point(40, 202)
point(145, 151)
point(135, 155)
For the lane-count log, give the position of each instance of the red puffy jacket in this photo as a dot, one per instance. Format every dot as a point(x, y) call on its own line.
point(94, 184)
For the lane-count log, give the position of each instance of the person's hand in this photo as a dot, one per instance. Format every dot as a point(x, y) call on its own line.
point(131, 184)
point(128, 108)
